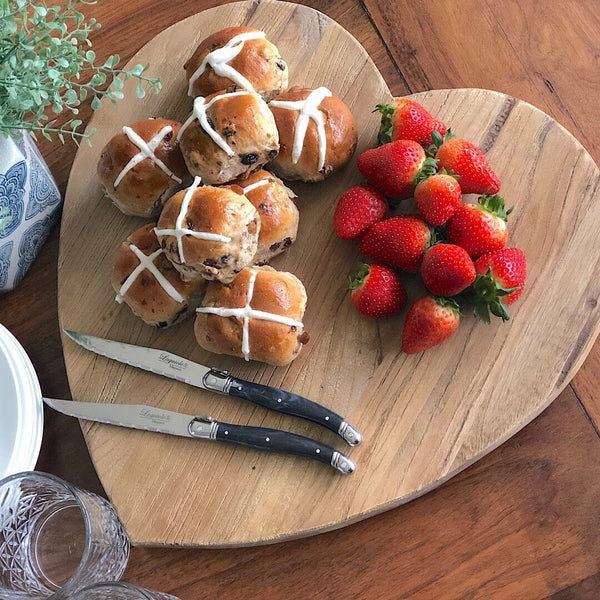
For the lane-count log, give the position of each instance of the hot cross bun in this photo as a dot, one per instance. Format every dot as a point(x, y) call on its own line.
point(142, 166)
point(154, 291)
point(258, 316)
point(208, 232)
point(317, 134)
point(239, 56)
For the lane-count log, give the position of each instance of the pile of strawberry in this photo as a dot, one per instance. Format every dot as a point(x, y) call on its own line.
point(458, 248)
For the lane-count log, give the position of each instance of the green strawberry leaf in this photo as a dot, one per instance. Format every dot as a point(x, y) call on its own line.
point(438, 139)
point(456, 176)
point(499, 309)
point(385, 130)
point(451, 303)
point(358, 279)
point(481, 311)
point(428, 168)
point(495, 205)
point(487, 294)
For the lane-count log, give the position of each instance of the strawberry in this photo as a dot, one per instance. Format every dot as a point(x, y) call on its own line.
point(398, 241)
point(377, 291)
point(468, 161)
point(438, 197)
point(480, 228)
point(429, 322)
point(404, 119)
point(396, 168)
point(447, 270)
point(357, 209)
point(500, 280)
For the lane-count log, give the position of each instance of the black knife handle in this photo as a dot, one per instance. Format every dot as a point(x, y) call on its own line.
point(293, 404)
point(274, 440)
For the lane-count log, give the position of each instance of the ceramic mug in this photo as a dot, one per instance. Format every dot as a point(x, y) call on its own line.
point(29, 203)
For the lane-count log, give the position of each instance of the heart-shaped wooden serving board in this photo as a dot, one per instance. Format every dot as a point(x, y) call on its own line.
point(424, 417)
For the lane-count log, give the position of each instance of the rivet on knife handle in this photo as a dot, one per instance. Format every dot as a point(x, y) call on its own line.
point(271, 440)
point(281, 401)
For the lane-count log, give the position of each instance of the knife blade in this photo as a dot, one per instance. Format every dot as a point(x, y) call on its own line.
point(176, 367)
point(148, 418)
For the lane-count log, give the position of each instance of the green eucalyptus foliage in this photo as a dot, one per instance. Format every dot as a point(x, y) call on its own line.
point(47, 66)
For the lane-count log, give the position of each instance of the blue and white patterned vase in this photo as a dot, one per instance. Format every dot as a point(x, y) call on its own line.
point(29, 203)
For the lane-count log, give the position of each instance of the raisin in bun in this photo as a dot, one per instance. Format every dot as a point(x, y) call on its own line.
point(228, 135)
point(208, 232)
point(317, 134)
point(142, 166)
point(272, 304)
point(154, 290)
point(278, 213)
point(239, 56)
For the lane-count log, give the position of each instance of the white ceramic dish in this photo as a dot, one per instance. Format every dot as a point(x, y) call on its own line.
point(21, 408)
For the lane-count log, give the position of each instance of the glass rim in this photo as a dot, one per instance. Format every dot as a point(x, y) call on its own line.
point(119, 584)
point(73, 490)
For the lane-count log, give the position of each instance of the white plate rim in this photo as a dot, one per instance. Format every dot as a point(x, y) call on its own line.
point(30, 420)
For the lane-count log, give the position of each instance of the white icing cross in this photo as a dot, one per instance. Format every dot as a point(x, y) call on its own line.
point(218, 59)
point(147, 262)
point(146, 151)
point(246, 313)
point(199, 112)
point(180, 231)
point(253, 186)
point(309, 109)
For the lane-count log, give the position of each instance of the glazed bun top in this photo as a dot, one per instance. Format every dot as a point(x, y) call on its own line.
point(208, 232)
point(317, 133)
point(257, 317)
point(154, 290)
point(228, 135)
point(241, 56)
point(138, 165)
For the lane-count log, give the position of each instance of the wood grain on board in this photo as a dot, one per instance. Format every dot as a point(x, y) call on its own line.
point(519, 524)
point(424, 417)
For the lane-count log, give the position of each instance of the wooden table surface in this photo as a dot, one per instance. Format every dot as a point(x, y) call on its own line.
point(521, 523)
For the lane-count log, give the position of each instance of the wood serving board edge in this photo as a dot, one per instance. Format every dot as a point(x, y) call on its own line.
point(96, 437)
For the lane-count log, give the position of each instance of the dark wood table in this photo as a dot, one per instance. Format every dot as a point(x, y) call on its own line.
point(521, 523)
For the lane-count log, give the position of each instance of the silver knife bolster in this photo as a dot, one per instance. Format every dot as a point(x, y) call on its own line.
point(203, 427)
point(342, 463)
point(350, 434)
point(217, 380)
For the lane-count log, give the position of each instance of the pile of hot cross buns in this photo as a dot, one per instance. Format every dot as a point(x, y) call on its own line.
point(218, 215)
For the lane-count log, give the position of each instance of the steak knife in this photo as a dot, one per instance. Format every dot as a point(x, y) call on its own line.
point(170, 365)
point(139, 416)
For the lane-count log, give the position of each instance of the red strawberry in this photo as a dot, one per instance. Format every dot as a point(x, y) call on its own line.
point(480, 228)
point(447, 270)
point(467, 160)
point(377, 291)
point(396, 168)
point(399, 241)
point(404, 119)
point(357, 209)
point(438, 197)
point(429, 322)
point(500, 280)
